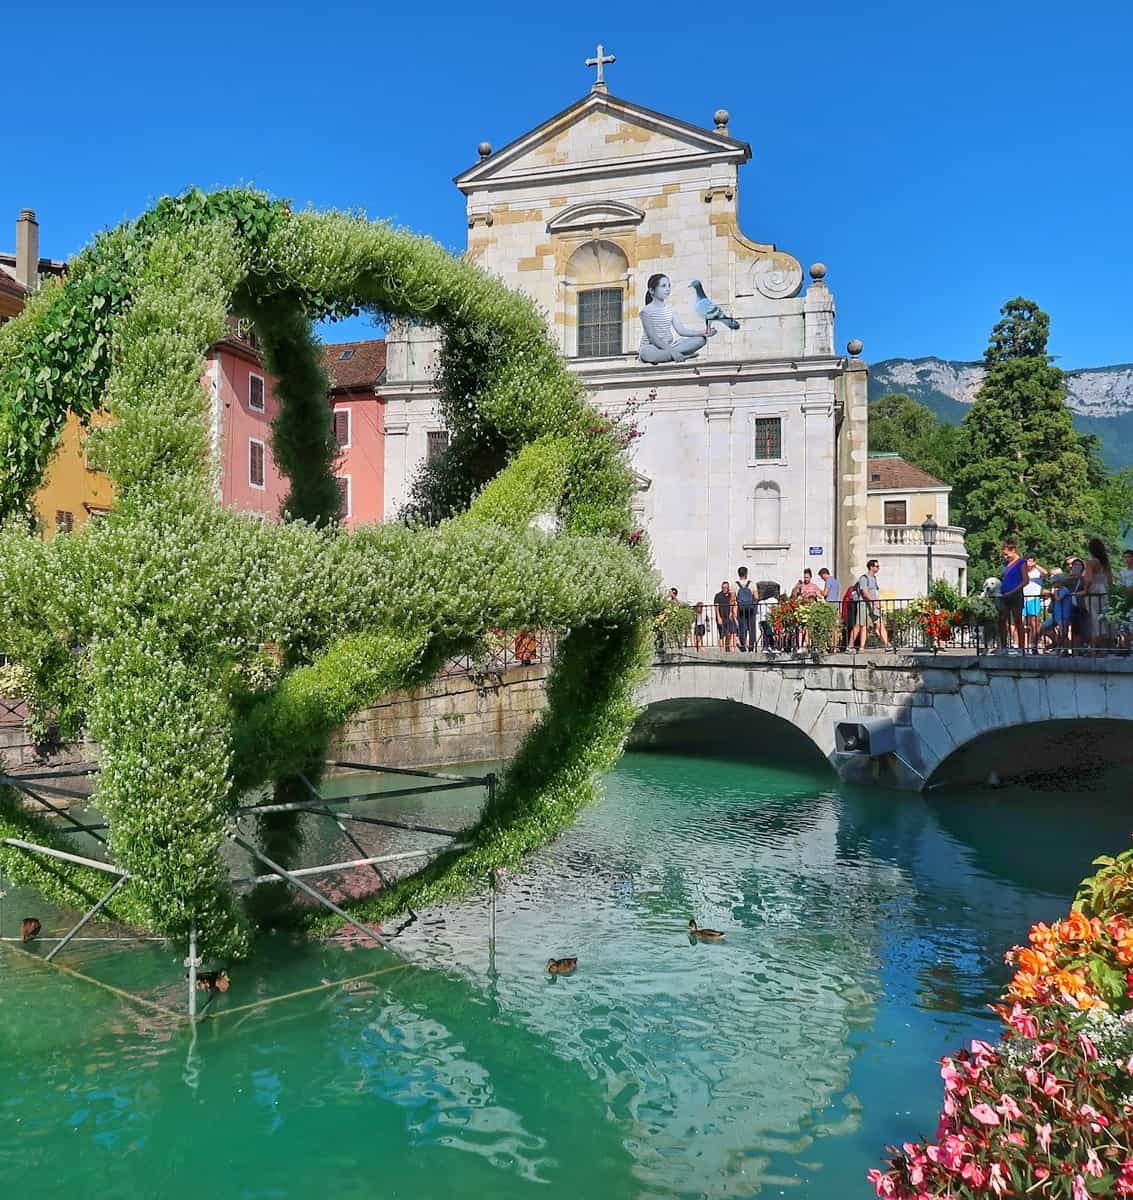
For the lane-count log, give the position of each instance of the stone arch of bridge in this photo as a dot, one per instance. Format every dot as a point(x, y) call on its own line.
point(1044, 753)
point(747, 703)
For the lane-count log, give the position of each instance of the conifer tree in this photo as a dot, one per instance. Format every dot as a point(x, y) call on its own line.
point(1022, 469)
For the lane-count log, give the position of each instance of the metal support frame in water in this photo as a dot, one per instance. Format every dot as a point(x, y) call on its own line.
point(318, 805)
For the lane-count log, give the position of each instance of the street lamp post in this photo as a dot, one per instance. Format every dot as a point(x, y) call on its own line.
point(929, 529)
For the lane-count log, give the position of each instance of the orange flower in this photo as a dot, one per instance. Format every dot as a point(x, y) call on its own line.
point(1033, 962)
point(1117, 927)
point(1023, 986)
point(1078, 928)
point(1124, 949)
point(1043, 937)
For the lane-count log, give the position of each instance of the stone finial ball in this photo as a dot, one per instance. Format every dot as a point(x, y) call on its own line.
point(818, 271)
point(721, 116)
point(484, 149)
point(855, 347)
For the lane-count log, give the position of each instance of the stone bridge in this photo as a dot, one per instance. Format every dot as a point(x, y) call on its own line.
point(956, 717)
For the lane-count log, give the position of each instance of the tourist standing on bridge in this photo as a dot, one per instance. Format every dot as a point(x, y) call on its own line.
point(1012, 582)
point(723, 600)
point(745, 607)
point(866, 608)
point(1097, 581)
point(832, 594)
point(1033, 600)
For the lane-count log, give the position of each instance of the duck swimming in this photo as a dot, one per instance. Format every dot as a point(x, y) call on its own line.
point(705, 935)
point(562, 966)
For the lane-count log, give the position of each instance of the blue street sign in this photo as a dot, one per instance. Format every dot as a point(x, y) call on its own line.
point(816, 551)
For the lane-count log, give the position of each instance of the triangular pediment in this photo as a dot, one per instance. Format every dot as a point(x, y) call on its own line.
point(600, 135)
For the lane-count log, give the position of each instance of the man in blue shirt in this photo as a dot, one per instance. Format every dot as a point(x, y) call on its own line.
point(1014, 579)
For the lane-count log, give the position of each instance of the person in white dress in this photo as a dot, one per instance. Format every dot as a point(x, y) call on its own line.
point(658, 323)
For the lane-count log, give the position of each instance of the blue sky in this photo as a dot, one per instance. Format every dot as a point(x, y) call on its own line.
point(938, 158)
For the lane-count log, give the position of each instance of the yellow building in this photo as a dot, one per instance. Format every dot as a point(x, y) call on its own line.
point(71, 493)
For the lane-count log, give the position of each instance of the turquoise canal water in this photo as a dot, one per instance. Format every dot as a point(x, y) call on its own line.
point(865, 936)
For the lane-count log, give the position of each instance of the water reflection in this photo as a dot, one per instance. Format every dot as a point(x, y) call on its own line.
point(864, 938)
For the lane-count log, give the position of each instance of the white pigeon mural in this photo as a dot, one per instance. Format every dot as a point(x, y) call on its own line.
point(664, 338)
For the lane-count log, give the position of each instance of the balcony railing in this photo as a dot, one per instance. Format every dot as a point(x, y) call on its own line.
point(913, 535)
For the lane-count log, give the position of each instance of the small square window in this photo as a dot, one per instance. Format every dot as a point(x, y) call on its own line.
point(64, 521)
point(343, 482)
point(255, 463)
point(896, 512)
point(256, 393)
point(768, 439)
point(346, 356)
point(436, 444)
point(342, 428)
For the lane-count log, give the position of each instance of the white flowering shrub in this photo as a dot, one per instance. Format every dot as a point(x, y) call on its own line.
point(145, 628)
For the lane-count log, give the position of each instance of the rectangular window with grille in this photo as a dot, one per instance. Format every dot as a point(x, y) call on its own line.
point(896, 512)
point(599, 322)
point(437, 443)
point(343, 482)
point(255, 463)
point(768, 439)
point(256, 393)
point(64, 521)
point(342, 428)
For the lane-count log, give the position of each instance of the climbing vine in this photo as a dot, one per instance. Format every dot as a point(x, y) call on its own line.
point(144, 628)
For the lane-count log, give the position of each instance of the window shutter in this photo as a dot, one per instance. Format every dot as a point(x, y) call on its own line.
point(256, 463)
point(342, 427)
point(436, 444)
point(255, 393)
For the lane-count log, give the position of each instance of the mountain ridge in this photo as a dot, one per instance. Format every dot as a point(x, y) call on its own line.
point(1100, 398)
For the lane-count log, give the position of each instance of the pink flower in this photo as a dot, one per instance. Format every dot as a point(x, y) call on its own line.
point(996, 1179)
point(1008, 1109)
point(1093, 1118)
point(1080, 1192)
point(953, 1079)
point(1042, 1136)
point(983, 1053)
point(974, 1174)
point(1051, 1086)
point(985, 1114)
point(949, 1153)
point(1022, 1020)
point(1094, 1164)
point(883, 1184)
point(1089, 1050)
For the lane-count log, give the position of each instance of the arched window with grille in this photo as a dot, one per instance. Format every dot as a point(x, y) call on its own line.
point(596, 278)
point(767, 515)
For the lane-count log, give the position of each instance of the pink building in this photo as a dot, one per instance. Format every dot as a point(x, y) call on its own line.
point(356, 370)
point(244, 406)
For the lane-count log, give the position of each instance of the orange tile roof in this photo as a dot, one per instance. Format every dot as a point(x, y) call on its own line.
point(363, 369)
point(892, 472)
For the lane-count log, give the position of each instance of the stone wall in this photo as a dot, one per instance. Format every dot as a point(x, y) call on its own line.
point(455, 719)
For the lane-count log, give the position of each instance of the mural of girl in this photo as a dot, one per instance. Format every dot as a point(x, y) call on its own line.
point(658, 343)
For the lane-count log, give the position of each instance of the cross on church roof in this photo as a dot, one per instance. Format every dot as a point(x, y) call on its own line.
point(599, 61)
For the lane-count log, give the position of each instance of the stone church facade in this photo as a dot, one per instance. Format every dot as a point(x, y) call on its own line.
point(753, 450)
